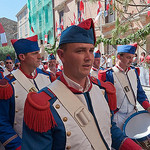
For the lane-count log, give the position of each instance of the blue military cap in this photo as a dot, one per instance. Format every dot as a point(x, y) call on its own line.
point(127, 48)
point(81, 33)
point(51, 57)
point(27, 45)
point(97, 54)
point(8, 57)
point(16, 61)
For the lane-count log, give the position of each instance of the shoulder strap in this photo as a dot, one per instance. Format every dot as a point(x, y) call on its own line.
point(80, 114)
point(125, 84)
point(24, 81)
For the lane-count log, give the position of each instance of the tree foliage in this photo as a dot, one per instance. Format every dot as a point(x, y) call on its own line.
point(124, 22)
point(4, 51)
point(53, 49)
point(134, 37)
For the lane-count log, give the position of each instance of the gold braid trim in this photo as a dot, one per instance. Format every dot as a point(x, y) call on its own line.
point(10, 139)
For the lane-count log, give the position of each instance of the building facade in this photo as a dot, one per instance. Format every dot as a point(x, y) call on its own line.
point(10, 28)
point(23, 23)
point(41, 20)
point(66, 11)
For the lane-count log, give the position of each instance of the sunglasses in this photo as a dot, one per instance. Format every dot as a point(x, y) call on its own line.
point(8, 62)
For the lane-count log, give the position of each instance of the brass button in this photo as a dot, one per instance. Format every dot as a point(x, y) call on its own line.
point(13, 82)
point(68, 147)
point(57, 106)
point(111, 126)
point(16, 110)
point(15, 123)
point(110, 115)
point(65, 119)
point(11, 75)
point(16, 96)
point(68, 133)
point(48, 77)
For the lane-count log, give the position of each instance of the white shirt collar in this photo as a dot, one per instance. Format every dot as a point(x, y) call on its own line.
point(77, 86)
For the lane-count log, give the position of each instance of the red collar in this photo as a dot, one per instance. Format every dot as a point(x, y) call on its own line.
point(122, 69)
point(95, 69)
point(62, 79)
point(29, 76)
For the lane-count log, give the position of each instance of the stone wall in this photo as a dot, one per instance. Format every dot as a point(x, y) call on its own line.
point(10, 28)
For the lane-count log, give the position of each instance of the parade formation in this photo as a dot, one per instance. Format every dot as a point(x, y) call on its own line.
point(77, 98)
point(79, 109)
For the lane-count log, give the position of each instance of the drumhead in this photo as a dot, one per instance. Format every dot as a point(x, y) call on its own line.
point(137, 126)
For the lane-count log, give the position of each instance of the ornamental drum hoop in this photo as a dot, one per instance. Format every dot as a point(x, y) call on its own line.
point(137, 127)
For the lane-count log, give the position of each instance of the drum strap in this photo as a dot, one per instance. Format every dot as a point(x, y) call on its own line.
point(24, 81)
point(126, 85)
point(80, 113)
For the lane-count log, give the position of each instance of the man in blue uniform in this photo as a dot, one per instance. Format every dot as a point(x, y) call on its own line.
point(8, 65)
point(2, 67)
point(52, 66)
point(15, 87)
point(127, 83)
point(96, 64)
point(72, 113)
point(1, 73)
point(17, 64)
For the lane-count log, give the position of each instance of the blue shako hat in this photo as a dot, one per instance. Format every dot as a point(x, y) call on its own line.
point(27, 45)
point(51, 57)
point(17, 61)
point(127, 48)
point(97, 54)
point(81, 33)
point(8, 57)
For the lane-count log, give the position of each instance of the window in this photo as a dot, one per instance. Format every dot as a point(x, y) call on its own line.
point(110, 13)
point(26, 30)
point(40, 20)
point(61, 20)
point(61, 15)
point(20, 18)
point(46, 14)
point(20, 32)
point(25, 14)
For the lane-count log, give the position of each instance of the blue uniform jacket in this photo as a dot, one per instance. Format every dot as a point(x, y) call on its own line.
point(8, 136)
point(141, 96)
point(55, 138)
point(1, 73)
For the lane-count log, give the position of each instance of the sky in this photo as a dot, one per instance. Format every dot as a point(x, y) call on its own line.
point(9, 8)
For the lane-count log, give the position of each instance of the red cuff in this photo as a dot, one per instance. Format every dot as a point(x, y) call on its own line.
point(19, 148)
point(129, 144)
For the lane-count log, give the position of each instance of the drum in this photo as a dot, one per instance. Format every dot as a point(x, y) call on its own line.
point(137, 127)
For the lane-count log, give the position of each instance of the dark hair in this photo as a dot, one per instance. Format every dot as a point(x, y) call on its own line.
point(121, 54)
point(63, 46)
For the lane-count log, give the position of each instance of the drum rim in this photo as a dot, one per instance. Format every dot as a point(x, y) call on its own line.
point(125, 124)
